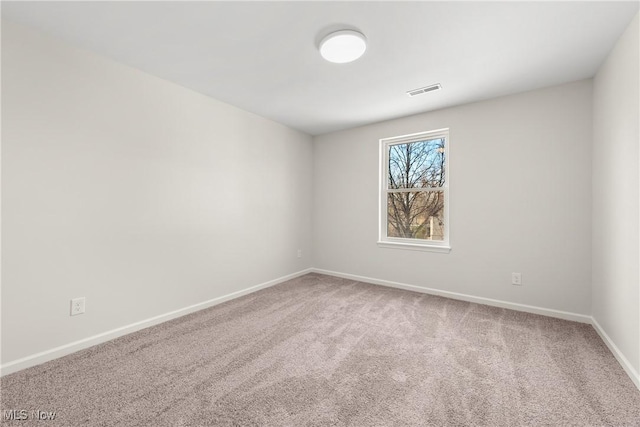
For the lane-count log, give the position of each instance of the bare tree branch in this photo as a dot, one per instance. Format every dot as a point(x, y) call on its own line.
point(416, 165)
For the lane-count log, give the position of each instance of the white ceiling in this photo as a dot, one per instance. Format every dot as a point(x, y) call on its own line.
point(263, 57)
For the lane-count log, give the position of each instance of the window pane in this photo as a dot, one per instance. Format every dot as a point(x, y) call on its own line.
point(416, 215)
point(417, 164)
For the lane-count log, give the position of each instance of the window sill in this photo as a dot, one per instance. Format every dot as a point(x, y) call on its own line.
point(415, 247)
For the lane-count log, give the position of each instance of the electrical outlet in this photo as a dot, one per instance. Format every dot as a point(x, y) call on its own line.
point(516, 279)
point(299, 253)
point(77, 306)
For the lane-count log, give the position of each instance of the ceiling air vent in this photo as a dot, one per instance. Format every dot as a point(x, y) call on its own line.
point(426, 89)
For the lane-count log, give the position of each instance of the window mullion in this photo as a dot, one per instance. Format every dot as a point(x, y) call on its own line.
point(414, 190)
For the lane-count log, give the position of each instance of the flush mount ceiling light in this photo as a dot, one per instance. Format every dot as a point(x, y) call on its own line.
point(343, 46)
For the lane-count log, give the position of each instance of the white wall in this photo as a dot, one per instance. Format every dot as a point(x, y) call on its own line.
point(138, 194)
point(520, 200)
point(616, 213)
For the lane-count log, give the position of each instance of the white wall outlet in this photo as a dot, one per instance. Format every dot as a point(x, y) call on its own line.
point(516, 279)
point(77, 306)
point(299, 253)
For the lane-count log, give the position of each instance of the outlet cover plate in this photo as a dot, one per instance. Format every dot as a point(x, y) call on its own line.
point(77, 306)
point(516, 279)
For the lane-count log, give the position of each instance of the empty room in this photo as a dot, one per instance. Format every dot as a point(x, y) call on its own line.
point(326, 213)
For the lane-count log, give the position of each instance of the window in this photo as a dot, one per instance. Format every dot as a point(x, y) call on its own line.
point(414, 193)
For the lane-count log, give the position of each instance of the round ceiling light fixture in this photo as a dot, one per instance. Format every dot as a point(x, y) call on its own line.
point(343, 46)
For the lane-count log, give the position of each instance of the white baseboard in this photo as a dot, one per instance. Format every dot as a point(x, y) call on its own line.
point(617, 353)
point(63, 350)
point(582, 318)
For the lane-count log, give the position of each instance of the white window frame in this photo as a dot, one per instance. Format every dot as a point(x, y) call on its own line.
point(406, 243)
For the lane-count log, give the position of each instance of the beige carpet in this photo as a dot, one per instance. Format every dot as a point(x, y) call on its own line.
point(322, 351)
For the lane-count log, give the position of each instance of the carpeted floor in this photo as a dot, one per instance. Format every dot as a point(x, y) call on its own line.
point(323, 351)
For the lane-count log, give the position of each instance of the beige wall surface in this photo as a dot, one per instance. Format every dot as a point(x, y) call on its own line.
point(616, 195)
point(520, 189)
point(138, 194)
